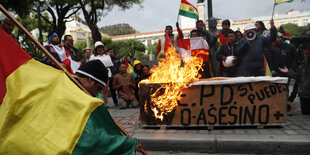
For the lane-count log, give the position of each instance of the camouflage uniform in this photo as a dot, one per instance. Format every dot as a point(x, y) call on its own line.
point(303, 74)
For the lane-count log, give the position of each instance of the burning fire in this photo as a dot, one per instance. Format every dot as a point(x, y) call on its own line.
point(174, 75)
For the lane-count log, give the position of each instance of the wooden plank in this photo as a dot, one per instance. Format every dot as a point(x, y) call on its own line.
point(259, 103)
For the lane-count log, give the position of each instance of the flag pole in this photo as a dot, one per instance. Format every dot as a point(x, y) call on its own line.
point(179, 11)
point(274, 5)
point(51, 57)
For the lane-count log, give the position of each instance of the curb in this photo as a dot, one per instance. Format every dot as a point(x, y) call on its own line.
point(211, 143)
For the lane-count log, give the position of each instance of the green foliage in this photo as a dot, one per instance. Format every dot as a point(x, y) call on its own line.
point(121, 48)
point(30, 22)
point(80, 45)
point(108, 43)
point(129, 47)
point(152, 49)
point(295, 30)
point(20, 7)
point(118, 29)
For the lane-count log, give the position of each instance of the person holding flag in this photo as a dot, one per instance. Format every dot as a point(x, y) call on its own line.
point(187, 10)
point(43, 112)
point(169, 39)
point(277, 2)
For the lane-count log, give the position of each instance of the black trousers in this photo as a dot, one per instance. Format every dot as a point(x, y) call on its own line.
point(113, 92)
point(305, 105)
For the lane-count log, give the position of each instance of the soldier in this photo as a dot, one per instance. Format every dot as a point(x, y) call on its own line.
point(302, 74)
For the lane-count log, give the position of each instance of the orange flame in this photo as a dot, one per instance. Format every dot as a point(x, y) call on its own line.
point(174, 75)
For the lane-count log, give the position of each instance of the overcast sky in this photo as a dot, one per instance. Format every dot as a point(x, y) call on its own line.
point(155, 14)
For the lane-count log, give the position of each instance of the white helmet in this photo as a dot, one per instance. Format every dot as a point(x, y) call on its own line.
point(98, 43)
point(228, 62)
point(249, 26)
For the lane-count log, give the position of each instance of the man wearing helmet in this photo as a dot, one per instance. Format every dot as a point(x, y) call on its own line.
point(250, 51)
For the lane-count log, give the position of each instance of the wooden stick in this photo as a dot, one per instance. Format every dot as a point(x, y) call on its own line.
point(41, 47)
point(50, 56)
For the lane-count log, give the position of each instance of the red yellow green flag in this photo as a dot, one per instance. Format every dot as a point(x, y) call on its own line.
point(282, 1)
point(42, 111)
point(188, 10)
point(221, 41)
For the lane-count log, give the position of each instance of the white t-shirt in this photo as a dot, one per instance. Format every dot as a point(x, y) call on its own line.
point(105, 59)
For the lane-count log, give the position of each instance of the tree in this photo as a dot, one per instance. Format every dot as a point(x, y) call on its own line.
point(133, 47)
point(20, 7)
point(118, 29)
point(60, 11)
point(295, 30)
point(93, 9)
point(153, 49)
point(80, 45)
point(30, 23)
point(121, 48)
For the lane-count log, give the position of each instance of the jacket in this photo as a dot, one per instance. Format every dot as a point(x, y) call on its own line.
point(227, 50)
point(303, 74)
point(282, 55)
point(251, 54)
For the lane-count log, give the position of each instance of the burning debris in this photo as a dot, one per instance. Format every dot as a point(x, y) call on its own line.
point(174, 74)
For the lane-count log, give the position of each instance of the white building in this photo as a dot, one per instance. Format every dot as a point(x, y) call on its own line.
point(77, 28)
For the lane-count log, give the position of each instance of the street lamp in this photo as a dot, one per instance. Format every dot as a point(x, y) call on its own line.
point(210, 13)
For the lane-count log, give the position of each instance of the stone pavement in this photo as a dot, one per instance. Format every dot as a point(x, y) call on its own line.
point(292, 138)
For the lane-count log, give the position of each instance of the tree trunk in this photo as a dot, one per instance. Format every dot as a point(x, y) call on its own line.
point(96, 35)
point(60, 28)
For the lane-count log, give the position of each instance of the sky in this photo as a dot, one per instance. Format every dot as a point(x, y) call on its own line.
point(155, 14)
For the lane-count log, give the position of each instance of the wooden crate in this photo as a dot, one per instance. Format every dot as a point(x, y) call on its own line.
point(259, 102)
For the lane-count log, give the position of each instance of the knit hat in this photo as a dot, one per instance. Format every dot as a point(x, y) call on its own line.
point(96, 70)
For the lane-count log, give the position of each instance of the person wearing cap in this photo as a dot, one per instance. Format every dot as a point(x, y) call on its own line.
point(302, 74)
point(93, 75)
point(125, 83)
point(100, 134)
point(99, 54)
point(58, 51)
point(282, 55)
point(137, 74)
point(87, 55)
point(250, 51)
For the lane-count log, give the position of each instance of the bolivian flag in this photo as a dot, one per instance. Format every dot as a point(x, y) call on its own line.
point(42, 111)
point(188, 10)
point(282, 1)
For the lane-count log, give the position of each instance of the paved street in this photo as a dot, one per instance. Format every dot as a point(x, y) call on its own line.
point(292, 138)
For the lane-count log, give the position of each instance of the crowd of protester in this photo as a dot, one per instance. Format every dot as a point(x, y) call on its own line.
point(250, 53)
point(254, 53)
